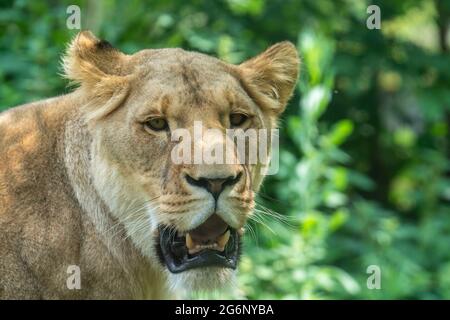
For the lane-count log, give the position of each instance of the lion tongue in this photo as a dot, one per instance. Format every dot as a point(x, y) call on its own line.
point(211, 234)
point(218, 244)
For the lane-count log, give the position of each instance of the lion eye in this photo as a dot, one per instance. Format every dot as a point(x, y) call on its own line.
point(237, 119)
point(157, 124)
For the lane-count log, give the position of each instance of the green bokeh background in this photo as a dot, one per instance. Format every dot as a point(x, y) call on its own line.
point(364, 177)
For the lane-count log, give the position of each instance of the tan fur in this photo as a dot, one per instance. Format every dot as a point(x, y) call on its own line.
point(82, 183)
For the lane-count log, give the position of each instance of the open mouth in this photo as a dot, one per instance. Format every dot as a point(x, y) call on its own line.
point(213, 243)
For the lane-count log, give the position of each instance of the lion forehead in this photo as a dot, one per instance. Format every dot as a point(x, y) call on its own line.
point(177, 86)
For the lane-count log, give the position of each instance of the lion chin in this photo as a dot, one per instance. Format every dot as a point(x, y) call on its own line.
point(207, 279)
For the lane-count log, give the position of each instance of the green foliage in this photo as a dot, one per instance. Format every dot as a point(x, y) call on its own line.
point(364, 162)
point(312, 185)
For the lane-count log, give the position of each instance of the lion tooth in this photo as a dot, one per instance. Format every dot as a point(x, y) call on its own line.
point(241, 231)
point(189, 242)
point(223, 240)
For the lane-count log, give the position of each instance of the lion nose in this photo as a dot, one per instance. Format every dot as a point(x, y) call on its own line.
point(214, 185)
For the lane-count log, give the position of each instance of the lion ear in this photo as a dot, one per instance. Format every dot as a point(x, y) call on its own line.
point(271, 76)
point(93, 63)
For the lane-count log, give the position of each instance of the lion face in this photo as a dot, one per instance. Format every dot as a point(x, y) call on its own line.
point(151, 109)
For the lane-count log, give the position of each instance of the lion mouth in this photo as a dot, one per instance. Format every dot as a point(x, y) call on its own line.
point(213, 243)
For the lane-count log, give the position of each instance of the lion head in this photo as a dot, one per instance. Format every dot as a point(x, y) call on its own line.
point(186, 217)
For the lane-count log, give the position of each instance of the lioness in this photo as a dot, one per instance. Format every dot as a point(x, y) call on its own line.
point(87, 180)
